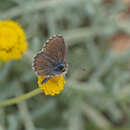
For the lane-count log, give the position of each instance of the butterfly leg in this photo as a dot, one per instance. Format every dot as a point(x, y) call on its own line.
point(45, 80)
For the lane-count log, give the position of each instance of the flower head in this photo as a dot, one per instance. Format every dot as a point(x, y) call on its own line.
point(53, 86)
point(12, 40)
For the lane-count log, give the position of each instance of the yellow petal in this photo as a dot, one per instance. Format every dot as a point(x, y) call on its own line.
point(53, 86)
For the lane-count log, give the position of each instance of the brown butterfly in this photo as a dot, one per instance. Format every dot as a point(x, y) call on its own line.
point(51, 60)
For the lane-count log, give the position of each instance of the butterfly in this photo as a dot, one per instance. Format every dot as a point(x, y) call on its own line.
point(51, 61)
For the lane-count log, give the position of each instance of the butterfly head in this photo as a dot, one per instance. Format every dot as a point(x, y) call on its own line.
point(60, 68)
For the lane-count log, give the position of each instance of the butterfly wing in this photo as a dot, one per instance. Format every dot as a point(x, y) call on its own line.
point(53, 53)
point(42, 64)
point(56, 49)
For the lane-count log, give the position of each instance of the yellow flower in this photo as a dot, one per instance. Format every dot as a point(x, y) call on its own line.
point(12, 40)
point(53, 86)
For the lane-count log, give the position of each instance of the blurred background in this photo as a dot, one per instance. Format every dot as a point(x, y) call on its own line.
point(97, 92)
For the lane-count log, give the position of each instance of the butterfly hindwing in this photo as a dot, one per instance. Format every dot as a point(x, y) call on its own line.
point(42, 64)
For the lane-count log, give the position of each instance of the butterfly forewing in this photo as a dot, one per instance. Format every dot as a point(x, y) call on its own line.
point(56, 49)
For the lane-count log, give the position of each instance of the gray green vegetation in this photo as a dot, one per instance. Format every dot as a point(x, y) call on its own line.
point(97, 92)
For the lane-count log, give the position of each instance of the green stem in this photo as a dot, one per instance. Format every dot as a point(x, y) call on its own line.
point(20, 98)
